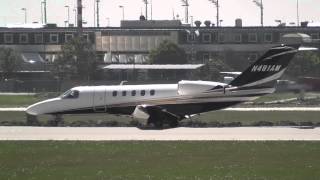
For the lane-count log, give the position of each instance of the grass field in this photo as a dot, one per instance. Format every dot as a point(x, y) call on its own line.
point(18, 100)
point(160, 160)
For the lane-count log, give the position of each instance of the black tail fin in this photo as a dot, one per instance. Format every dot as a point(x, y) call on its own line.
point(268, 68)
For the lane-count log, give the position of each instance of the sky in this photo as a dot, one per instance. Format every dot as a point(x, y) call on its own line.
point(111, 14)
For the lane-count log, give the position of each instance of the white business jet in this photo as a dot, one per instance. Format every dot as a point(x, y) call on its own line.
point(163, 105)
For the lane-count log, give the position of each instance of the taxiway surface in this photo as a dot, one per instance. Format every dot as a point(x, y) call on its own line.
point(178, 134)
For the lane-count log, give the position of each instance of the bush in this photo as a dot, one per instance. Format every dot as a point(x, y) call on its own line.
point(233, 124)
point(308, 123)
point(55, 121)
point(215, 124)
point(262, 123)
point(134, 123)
point(287, 123)
point(32, 120)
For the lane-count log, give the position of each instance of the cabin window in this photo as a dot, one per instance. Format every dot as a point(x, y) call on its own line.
point(133, 93)
point(152, 92)
point(71, 94)
point(124, 93)
point(114, 93)
point(143, 92)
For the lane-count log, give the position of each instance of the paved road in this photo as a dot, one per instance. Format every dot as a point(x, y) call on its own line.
point(186, 134)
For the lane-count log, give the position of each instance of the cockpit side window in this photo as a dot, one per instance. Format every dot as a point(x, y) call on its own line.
point(71, 94)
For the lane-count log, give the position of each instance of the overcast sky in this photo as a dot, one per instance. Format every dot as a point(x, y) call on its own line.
point(285, 10)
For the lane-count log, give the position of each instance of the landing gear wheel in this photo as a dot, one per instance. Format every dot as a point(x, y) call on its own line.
point(155, 123)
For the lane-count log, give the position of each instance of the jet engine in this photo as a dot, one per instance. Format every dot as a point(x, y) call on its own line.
point(194, 87)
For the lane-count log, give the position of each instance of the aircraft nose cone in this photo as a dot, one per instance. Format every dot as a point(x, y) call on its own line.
point(33, 110)
point(44, 107)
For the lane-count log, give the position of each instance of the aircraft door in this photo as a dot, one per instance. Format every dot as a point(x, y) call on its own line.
point(99, 100)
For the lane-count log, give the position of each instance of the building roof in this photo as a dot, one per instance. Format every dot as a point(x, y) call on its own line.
point(153, 66)
point(150, 23)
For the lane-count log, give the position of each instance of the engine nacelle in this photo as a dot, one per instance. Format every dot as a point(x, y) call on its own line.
point(140, 113)
point(195, 87)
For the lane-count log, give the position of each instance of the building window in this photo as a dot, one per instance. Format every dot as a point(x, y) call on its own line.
point(206, 37)
point(124, 93)
point(114, 93)
point(315, 36)
point(54, 38)
point(237, 38)
point(205, 57)
point(8, 38)
point(152, 92)
point(133, 93)
point(68, 37)
point(86, 36)
point(221, 37)
point(191, 37)
point(253, 37)
point(143, 92)
point(38, 38)
point(267, 37)
point(23, 38)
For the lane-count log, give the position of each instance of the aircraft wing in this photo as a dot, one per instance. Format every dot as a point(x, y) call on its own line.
point(146, 111)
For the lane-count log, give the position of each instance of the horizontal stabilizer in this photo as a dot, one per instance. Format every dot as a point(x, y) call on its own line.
point(231, 73)
point(308, 49)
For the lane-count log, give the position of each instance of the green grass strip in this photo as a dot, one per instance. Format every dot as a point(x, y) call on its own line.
point(160, 160)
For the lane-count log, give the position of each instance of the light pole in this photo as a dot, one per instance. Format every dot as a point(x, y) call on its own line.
point(122, 7)
point(98, 12)
point(68, 15)
point(146, 3)
point(45, 11)
point(298, 18)
point(259, 3)
point(75, 16)
point(41, 12)
point(186, 5)
point(216, 3)
point(25, 15)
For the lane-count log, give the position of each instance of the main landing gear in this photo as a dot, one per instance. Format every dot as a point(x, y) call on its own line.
point(162, 122)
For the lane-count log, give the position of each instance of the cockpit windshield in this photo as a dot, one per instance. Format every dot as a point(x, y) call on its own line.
point(70, 94)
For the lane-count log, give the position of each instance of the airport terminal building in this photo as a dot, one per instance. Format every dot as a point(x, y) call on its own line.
point(133, 40)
